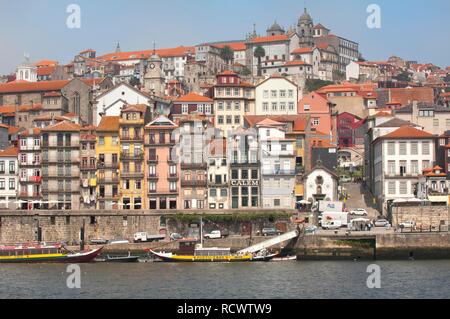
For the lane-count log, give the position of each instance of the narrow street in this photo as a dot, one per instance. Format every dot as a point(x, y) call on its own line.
point(358, 197)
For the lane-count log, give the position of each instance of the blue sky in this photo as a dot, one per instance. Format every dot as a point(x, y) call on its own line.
point(412, 29)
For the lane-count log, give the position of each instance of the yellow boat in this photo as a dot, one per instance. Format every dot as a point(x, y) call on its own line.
point(204, 255)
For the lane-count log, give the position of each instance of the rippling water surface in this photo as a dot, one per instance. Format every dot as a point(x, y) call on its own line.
point(299, 280)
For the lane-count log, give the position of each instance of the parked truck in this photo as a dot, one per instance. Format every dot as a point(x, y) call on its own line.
point(143, 237)
point(328, 206)
point(327, 217)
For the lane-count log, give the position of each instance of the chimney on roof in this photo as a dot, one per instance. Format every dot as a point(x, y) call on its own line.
point(415, 112)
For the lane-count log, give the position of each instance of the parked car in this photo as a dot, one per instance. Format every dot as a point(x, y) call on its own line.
point(175, 236)
point(359, 212)
point(215, 234)
point(98, 241)
point(381, 222)
point(407, 224)
point(311, 229)
point(118, 241)
point(270, 232)
point(345, 179)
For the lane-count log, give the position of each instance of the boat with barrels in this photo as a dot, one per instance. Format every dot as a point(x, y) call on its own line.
point(44, 253)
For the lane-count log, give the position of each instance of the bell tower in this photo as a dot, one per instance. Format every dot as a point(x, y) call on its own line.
point(305, 30)
point(154, 81)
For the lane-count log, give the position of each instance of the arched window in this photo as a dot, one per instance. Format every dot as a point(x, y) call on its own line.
point(21, 75)
point(27, 75)
point(76, 103)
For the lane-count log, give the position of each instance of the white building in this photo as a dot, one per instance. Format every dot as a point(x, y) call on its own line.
point(276, 96)
point(8, 178)
point(112, 101)
point(218, 175)
point(26, 71)
point(399, 159)
point(321, 184)
point(310, 56)
point(277, 165)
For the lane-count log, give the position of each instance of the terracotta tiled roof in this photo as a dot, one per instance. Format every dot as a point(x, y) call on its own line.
point(10, 152)
point(30, 132)
point(145, 54)
point(320, 26)
point(235, 46)
point(52, 94)
point(193, 97)
point(109, 124)
point(407, 131)
point(70, 115)
point(273, 38)
point(28, 108)
point(228, 73)
point(269, 122)
point(13, 130)
point(300, 122)
point(62, 127)
point(6, 109)
point(19, 86)
point(302, 50)
point(295, 62)
point(45, 63)
point(45, 70)
point(135, 108)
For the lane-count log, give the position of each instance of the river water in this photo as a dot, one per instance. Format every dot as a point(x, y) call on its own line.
point(285, 280)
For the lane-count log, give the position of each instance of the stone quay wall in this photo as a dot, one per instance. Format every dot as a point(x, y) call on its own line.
point(17, 226)
point(424, 216)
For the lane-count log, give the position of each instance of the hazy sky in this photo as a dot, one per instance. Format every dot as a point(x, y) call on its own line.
point(412, 29)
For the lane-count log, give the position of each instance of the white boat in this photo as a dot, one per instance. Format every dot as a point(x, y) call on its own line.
point(287, 258)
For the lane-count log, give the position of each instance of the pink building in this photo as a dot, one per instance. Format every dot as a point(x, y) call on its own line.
point(320, 111)
point(162, 169)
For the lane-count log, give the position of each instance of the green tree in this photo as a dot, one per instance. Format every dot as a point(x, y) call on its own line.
point(227, 54)
point(315, 84)
point(134, 81)
point(246, 71)
point(403, 77)
point(259, 54)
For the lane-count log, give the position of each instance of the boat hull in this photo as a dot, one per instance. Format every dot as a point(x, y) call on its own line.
point(82, 257)
point(204, 259)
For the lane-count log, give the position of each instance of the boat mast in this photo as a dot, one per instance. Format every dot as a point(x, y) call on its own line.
point(201, 231)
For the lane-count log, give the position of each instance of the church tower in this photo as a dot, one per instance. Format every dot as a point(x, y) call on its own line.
point(26, 71)
point(154, 81)
point(305, 30)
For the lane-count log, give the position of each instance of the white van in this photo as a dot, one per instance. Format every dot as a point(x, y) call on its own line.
point(331, 224)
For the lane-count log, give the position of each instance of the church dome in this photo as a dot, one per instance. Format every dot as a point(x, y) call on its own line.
point(305, 17)
point(275, 28)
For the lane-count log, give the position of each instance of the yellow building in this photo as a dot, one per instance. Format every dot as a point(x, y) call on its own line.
point(132, 168)
point(108, 157)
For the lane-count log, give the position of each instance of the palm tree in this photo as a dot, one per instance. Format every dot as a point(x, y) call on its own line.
point(259, 54)
point(227, 54)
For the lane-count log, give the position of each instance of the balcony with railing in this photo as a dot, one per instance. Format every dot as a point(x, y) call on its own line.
point(88, 167)
point(131, 138)
point(194, 183)
point(406, 173)
point(136, 155)
point(108, 180)
point(107, 165)
point(153, 176)
point(173, 176)
point(130, 174)
point(193, 165)
point(30, 148)
point(163, 191)
point(154, 159)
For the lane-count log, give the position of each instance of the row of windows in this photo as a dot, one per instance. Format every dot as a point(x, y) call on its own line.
point(402, 149)
point(278, 93)
point(282, 105)
point(11, 184)
point(11, 166)
point(229, 119)
point(200, 108)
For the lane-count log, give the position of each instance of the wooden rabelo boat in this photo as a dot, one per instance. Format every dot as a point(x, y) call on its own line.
point(44, 253)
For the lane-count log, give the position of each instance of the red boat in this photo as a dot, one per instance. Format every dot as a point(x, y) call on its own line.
point(44, 253)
